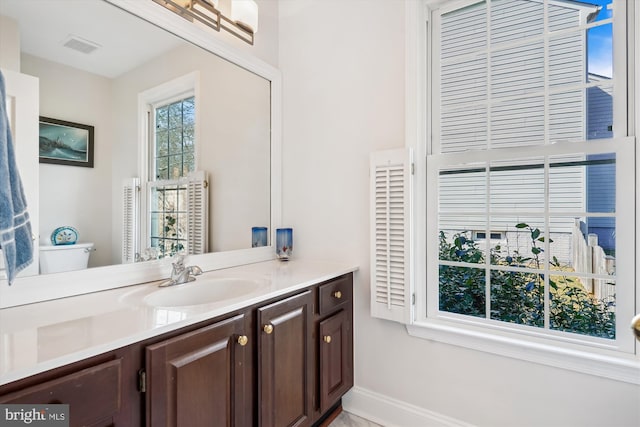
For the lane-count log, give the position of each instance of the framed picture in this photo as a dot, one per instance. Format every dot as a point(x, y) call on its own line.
point(65, 143)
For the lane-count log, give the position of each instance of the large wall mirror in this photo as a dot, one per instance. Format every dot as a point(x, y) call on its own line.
point(161, 106)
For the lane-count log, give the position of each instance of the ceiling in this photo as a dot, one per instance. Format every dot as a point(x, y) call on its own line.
point(124, 41)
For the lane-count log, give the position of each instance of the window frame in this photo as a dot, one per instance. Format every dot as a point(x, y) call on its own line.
point(177, 89)
point(596, 359)
point(170, 184)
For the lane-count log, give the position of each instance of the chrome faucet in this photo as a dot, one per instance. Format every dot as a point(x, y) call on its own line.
point(181, 273)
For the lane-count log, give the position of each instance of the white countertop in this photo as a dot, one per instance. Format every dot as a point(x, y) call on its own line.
point(37, 337)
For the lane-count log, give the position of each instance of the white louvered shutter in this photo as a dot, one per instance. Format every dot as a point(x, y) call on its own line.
point(130, 204)
point(390, 207)
point(197, 220)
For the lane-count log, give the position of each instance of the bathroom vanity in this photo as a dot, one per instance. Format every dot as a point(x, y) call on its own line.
point(278, 352)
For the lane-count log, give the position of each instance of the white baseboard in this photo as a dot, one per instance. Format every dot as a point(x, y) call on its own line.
point(390, 412)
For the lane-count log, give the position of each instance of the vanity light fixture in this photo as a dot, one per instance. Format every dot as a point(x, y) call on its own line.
point(242, 24)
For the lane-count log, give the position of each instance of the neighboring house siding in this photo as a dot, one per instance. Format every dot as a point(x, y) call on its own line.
point(601, 179)
point(512, 20)
point(600, 110)
point(463, 91)
point(512, 115)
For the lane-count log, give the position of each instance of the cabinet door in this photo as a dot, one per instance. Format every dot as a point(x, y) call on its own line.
point(284, 362)
point(93, 394)
point(336, 358)
point(201, 378)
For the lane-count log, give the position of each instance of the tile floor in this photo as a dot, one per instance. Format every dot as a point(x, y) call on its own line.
point(346, 419)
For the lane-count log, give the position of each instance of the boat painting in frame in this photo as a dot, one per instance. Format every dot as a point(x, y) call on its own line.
point(65, 143)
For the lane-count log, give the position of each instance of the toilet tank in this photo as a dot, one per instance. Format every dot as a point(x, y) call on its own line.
point(59, 258)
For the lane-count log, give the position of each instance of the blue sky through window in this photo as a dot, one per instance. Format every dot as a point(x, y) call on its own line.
point(599, 42)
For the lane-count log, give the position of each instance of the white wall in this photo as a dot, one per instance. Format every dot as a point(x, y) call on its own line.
point(71, 195)
point(343, 95)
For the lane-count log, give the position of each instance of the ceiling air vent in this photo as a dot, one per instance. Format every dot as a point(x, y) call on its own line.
point(79, 44)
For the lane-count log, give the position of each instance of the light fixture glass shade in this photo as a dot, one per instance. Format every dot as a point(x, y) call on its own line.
point(245, 13)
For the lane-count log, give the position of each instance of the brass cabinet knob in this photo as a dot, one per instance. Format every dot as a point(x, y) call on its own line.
point(337, 294)
point(243, 340)
point(268, 328)
point(635, 324)
point(327, 339)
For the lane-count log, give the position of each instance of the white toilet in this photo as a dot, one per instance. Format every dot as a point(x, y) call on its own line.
point(55, 259)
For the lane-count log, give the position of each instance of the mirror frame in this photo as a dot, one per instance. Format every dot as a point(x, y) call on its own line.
point(30, 289)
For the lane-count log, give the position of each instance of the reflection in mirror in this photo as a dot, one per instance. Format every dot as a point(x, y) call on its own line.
point(162, 109)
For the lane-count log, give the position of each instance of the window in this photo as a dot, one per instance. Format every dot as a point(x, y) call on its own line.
point(524, 141)
point(174, 139)
point(166, 210)
point(168, 218)
point(173, 145)
point(529, 145)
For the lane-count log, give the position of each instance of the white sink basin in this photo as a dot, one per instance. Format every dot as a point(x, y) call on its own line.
point(201, 291)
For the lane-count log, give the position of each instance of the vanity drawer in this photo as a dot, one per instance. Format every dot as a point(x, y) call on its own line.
point(334, 294)
point(93, 394)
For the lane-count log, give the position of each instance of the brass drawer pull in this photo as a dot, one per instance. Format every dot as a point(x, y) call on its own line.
point(243, 340)
point(327, 339)
point(337, 294)
point(268, 328)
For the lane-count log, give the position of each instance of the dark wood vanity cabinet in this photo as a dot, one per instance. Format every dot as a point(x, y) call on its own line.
point(334, 340)
point(94, 390)
point(335, 359)
point(285, 362)
point(201, 378)
point(305, 354)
